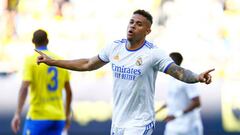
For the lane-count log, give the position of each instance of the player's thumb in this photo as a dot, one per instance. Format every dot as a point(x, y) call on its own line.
point(202, 79)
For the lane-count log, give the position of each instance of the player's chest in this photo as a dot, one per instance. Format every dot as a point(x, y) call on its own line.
point(138, 62)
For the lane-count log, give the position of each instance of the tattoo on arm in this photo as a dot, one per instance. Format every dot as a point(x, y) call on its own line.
point(182, 74)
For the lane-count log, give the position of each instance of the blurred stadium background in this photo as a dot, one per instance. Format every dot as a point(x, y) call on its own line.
point(206, 32)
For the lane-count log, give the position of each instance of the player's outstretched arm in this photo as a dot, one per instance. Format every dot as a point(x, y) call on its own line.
point(77, 65)
point(188, 76)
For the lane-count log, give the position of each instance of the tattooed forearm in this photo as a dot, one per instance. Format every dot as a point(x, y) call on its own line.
point(182, 74)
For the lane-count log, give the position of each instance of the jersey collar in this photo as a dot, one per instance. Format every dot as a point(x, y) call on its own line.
point(41, 48)
point(135, 49)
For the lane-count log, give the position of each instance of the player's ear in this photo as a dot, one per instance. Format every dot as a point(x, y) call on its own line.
point(33, 41)
point(47, 41)
point(148, 31)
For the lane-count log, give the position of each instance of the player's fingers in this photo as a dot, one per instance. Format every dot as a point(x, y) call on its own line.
point(13, 124)
point(208, 71)
point(41, 53)
point(18, 125)
point(67, 127)
point(14, 130)
point(202, 78)
point(209, 79)
point(39, 59)
point(14, 127)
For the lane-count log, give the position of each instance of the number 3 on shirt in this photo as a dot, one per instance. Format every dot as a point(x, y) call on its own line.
point(54, 80)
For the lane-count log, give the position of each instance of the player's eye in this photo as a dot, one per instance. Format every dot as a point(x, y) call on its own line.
point(139, 24)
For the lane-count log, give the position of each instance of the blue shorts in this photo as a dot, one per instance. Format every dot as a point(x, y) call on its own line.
point(43, 127)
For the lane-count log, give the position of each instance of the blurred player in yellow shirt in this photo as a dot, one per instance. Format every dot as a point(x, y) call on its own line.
point(47, 114)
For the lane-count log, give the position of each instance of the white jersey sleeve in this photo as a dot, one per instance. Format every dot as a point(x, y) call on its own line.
point(105, 53)
point(161, 61)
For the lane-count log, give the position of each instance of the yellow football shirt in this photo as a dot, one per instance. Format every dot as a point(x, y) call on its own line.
point(46, 85)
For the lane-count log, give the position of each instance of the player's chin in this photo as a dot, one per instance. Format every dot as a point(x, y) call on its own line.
point(130, 36)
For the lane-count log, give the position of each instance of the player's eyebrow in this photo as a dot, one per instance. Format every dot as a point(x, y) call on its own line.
point(137, 21)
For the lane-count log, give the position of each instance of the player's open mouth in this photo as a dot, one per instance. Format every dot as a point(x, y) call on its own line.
point(130, 32)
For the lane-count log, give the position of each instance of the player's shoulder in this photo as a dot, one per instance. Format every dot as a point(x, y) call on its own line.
point(153, 48)
point(116, 44)
point(30, 56)
point(120, 41)
point(53, 55)
point(150, 45)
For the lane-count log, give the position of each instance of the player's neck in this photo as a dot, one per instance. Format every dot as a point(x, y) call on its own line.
point(131, 45)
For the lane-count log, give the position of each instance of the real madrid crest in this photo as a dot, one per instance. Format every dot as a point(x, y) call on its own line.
point(139, 61)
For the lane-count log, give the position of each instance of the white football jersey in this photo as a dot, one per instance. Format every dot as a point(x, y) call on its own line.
point(134, 73)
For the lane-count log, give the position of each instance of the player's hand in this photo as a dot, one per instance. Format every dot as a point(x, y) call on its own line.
point(43, 58)
point(68, 122)
point(169, 118)
point(205, 77)
point(15, 124)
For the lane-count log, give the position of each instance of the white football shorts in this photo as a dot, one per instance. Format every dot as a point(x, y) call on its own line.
point(144, 130)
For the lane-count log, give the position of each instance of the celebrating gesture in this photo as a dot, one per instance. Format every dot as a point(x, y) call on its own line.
point(135, 63)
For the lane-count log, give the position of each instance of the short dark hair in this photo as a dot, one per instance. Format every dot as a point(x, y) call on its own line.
point(145, 14)
point(176, 57)
point(40, 37)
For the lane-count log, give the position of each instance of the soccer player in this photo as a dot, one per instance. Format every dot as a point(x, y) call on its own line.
point(47, 114)
point(135, 63)
point(183, 103)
